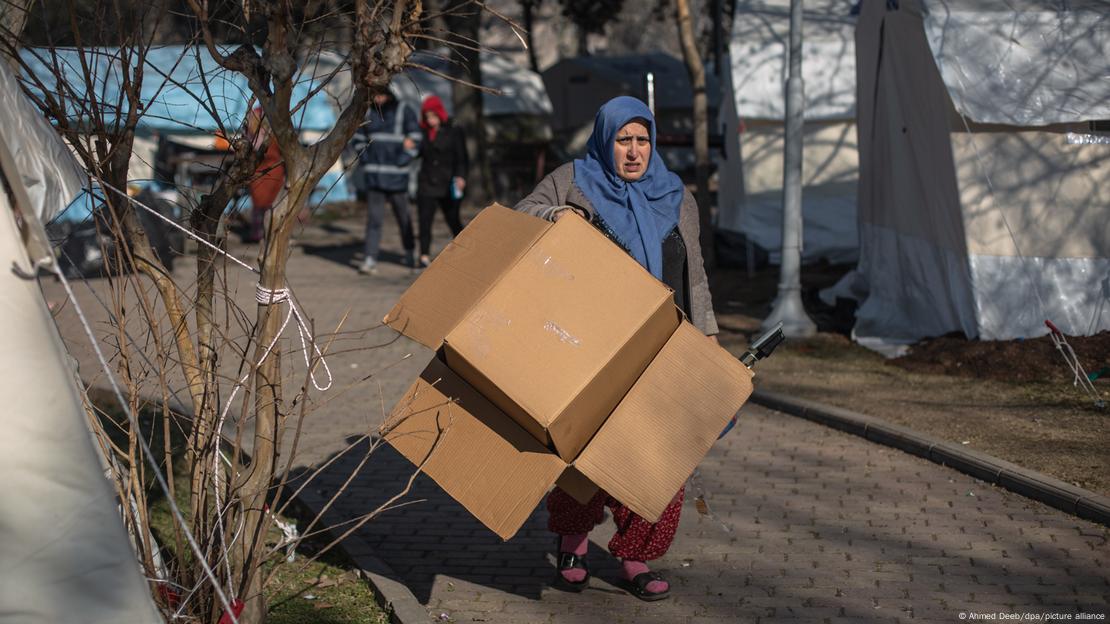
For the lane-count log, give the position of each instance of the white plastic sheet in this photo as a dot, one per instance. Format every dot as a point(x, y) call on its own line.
point(757, 48)
point(64, 553)
point(1014, 296)
point(1023, 63)
point(828, 222)
point(48, 170)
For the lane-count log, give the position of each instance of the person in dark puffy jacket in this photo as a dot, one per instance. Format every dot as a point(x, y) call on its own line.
point(387, 143)
point(443, 169)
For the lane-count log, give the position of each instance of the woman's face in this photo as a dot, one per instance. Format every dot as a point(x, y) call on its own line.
point(632, 150)
point(431, 119)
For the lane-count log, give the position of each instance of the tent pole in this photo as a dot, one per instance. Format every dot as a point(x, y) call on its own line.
point(788, 307)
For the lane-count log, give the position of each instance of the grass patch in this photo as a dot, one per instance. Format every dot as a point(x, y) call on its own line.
point(330, 590)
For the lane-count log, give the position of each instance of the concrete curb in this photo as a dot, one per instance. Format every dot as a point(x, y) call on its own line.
point(390, 591)
point(1028, 483)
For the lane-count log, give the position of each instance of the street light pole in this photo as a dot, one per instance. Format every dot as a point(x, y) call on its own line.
point(787, 308)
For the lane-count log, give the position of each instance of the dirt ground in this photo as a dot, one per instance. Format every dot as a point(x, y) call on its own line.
point(1014, 400)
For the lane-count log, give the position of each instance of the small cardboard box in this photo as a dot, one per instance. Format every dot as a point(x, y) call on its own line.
point(558, 358)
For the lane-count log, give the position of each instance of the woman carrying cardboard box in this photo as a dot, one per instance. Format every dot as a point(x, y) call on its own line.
point(623, 187)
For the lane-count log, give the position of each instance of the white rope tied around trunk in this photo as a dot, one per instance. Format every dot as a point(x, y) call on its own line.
point(269, 297)
point(264, 296)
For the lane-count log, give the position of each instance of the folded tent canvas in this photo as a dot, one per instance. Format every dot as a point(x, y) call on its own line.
point(558, 357)
point(64, 551)
point(984, 176)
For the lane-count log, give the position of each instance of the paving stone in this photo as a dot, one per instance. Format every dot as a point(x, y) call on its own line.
point(808, 512)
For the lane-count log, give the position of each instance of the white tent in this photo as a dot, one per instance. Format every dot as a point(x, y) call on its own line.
point(520, 93)
point(751, 202)
point(64, 553)
point(984, 169)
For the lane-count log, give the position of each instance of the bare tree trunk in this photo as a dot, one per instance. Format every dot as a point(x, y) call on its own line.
point(696, 69)
point(528, 7)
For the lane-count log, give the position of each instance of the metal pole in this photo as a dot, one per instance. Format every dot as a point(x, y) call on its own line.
point(651, 92)
point(788, 307)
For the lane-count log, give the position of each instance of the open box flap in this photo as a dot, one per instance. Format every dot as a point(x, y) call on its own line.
point(666, 424)
point(476, 453)
point(463, 272)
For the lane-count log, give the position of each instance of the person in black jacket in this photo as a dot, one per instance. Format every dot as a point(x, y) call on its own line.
point(442, 178)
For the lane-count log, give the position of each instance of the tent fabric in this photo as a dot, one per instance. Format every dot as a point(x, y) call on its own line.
point(47, 169)
point(751, 202)
point(522, 90)
point(985, 231)
point(580, 85)
point(64, 553)
point(1029, 63)
point(758, 50)
point(826, 209)
point(1014, 296)
point(176, 81)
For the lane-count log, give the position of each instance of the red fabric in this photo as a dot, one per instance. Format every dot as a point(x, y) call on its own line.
point(268, 181)
point(635, 539)
point(269, 178)
point(236, 610)
point(433, 104)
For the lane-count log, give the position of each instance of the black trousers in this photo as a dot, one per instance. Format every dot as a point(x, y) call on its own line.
point(426, 213)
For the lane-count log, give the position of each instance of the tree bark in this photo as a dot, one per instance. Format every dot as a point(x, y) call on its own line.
point(528, 7)
point(696, 68)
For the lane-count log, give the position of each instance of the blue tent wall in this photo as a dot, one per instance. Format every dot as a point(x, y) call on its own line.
point(176, 79)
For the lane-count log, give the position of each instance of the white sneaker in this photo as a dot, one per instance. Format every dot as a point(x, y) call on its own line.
point(369, 266)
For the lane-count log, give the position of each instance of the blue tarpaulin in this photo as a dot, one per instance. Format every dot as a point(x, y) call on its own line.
point(183, 90)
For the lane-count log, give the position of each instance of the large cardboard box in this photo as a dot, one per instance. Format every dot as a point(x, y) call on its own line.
point(558, 358)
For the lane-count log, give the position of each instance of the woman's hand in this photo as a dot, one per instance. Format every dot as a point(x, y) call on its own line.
point(460, 184)
point(565, 210)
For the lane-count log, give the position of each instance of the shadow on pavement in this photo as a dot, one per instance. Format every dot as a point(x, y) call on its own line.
point(427, 533)
point(348, 254)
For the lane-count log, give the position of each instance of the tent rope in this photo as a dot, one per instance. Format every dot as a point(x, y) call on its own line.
point(147, 452)
point(264, 296)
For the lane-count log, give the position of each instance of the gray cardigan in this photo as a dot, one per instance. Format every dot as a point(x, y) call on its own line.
point(558, 190)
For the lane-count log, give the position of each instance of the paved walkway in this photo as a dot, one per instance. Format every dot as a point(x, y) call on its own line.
point(809, 524)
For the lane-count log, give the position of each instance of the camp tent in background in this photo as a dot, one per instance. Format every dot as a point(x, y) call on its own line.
point(517, 120)
point(175, 137)
point(984, 169)
point(750, 194)
point(64, 552)
point(578, 86)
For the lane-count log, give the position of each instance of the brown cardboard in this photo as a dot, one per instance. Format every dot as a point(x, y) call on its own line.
point(572, 324)
point(462, 273)
point(555, 347)
point(476, 453)
point(666, 424)
point(577, 485)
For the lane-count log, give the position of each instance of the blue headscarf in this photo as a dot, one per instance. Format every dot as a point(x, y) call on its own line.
point(639, 213)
